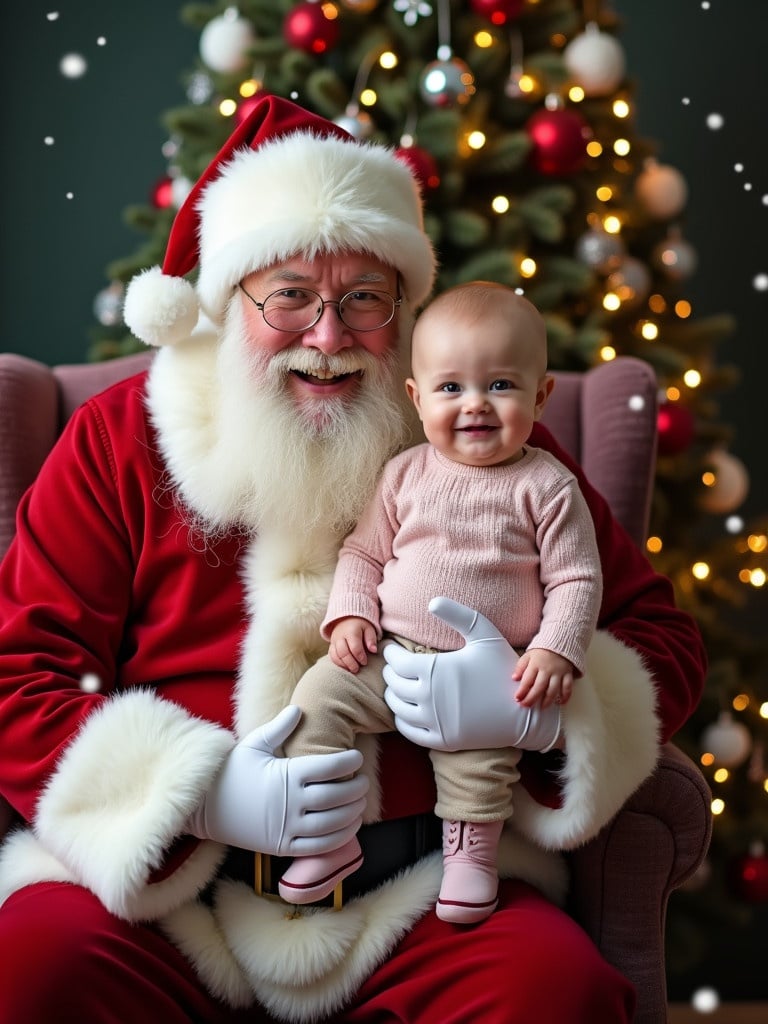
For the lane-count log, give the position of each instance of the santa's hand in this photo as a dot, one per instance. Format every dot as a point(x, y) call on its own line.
point(282, 805)
point(465, 699)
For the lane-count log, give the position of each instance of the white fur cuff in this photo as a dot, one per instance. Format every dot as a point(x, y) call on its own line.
point(121, 793)
point(611, 733)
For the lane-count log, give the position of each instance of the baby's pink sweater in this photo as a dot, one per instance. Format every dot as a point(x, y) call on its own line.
point(515, 542)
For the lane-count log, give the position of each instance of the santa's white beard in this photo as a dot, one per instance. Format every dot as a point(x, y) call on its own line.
point(303, 465)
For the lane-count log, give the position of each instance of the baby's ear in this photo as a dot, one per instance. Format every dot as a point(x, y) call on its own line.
point(543, 391)
point(413, 393)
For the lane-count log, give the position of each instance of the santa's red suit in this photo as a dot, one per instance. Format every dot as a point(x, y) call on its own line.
point(135, 652)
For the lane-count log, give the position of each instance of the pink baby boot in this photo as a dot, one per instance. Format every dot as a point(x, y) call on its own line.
point(470, 879)
point(313, 878)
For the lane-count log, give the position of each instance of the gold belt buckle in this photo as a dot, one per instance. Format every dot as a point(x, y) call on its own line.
point(262, 884)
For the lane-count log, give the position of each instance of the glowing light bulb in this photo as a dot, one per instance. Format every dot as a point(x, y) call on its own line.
point(692, 378)
point(700, 570)
point(649, 330)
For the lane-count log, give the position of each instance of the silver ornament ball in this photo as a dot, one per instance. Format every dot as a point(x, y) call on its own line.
point(445, 83)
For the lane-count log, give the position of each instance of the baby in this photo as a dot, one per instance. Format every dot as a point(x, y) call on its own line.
point(479, 516)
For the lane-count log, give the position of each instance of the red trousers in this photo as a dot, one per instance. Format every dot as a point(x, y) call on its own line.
point(64, 958)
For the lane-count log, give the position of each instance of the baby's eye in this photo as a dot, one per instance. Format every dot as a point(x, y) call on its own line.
point(501, 385)
point(451, 387)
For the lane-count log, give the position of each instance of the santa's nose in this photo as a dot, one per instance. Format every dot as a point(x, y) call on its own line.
point(329, 334)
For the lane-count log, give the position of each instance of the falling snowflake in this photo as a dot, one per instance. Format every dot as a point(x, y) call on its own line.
point(412, 10)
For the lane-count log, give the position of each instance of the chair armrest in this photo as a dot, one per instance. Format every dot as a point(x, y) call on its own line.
point(622, 879)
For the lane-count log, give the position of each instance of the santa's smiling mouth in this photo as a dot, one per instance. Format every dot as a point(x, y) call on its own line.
point(322, 378)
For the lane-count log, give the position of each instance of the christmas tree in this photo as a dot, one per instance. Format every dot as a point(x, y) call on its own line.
point(517, 117)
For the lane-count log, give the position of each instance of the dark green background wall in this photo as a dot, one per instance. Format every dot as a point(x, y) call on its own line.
point(107, 152)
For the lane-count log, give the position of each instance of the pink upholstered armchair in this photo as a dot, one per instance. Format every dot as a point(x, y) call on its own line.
point(606, 419)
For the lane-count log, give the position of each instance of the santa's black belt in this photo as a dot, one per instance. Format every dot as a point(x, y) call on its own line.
point(388, 847)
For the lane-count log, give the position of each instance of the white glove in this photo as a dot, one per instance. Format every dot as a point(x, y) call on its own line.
point(465, 699)
point(282, 805)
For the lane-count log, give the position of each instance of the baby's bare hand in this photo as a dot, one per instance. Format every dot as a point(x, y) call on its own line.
point(351, 641)
point(543, 676)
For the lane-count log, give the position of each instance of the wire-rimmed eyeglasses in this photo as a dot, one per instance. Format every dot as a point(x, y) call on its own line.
point(299, 309)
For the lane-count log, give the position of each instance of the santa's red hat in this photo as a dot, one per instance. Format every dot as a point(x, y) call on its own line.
point(286, 182)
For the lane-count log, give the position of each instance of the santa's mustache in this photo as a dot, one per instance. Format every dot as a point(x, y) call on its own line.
point(317, 364)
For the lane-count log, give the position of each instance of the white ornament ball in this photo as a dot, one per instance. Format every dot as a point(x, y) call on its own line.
point(676, 258)
point(108, 304)
point(596, 61)
point(180, 189)
point(631, 281)
point(727, 740)
point(359, 125)
point(731, 484)
point(705, 1000)
point(600, 250)
point(661, 190)
point(224, 43)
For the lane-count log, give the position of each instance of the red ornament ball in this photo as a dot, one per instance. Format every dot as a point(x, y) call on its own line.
point(559, 140)
point(498, 12)
point(162, 193)
point(750, 875)
point(675, 427)
point(308, 28)
point(422, 164)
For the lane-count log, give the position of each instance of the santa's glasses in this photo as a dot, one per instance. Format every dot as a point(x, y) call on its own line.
point(299, 309)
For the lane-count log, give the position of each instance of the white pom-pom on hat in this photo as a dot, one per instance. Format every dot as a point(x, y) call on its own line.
point(160, 309)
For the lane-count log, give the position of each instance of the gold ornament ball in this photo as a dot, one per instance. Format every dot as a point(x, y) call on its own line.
point(730, 486)
point(360, 6)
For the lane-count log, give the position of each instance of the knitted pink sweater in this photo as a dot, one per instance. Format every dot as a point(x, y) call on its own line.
point(514, 542)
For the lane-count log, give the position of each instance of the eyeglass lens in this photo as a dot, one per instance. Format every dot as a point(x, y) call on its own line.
point(298, 309)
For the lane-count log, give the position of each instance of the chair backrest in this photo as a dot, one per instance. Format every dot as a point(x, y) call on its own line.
point(605, 418)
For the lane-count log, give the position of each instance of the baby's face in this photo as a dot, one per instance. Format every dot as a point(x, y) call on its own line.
point(478, 387)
